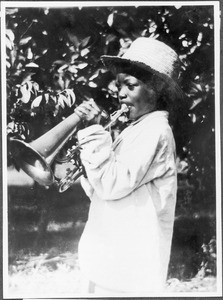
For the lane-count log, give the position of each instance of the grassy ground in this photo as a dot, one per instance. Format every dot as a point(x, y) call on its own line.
point(44, 230)
point(43, 275)
point(56, 270)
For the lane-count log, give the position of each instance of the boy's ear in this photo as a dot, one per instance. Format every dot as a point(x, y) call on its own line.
point(160, 84)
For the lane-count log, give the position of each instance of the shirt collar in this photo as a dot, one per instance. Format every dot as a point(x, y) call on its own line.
point(151, 115)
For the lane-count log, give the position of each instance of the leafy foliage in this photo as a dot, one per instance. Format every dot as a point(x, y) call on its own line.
point(53, 64)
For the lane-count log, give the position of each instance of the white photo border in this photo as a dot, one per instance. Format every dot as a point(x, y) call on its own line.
point(29, 4)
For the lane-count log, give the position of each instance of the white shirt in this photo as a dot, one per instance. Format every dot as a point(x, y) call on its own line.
point(132, 185)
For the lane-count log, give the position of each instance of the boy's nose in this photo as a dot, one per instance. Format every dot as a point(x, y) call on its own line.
point(121, 94)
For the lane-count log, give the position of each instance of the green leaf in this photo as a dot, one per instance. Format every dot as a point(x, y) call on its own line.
point(9, 43)
point(110, 38)
point(24, 41)
point(195, 103)
point(47, 97)
point(72, 69)
point(85, 42)
point(68, 99)
point(10, 35)
point(62, 68)
point(26, 92)
point(71, 97)
point(59, 62)
point(29, 85)
point(84, 52)
point(81, 79)
point(74, 39)
point(110, 19)
point(95, 75)
point(61, 100)
point(36, 102)
point(35, 87)
point(74, 57)
point(82, 65)
point(92, 84)
point(32, 65)
point(11, 127)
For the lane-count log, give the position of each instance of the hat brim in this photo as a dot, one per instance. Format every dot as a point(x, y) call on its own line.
point(115, 63)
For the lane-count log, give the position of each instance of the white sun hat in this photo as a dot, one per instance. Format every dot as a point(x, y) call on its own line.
point(152, 56)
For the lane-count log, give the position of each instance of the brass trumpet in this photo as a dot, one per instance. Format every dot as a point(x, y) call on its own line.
point(36, 158)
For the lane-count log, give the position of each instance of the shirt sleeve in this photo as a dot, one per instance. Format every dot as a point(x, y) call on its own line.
point(114, 176)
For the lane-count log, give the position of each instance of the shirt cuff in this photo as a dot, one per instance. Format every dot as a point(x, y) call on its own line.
point(88, 131)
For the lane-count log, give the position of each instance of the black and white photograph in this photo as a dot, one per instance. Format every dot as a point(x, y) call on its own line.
point(111, 152)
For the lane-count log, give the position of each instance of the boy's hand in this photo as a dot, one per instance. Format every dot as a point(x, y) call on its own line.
point(89, 111)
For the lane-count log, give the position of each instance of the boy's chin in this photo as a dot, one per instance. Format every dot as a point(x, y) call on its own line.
point(134, 114)
point(131, 113)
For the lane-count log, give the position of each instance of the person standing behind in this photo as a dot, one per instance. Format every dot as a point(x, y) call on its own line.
point(131, 182)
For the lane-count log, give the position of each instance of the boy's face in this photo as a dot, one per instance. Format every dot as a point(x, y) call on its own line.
point(140, 98)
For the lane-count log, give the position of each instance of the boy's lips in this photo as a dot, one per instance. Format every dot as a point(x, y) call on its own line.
point(126, 103)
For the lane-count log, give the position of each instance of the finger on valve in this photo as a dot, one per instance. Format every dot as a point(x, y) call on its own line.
point(81, 112)
point(88, 111)
point(92, 103)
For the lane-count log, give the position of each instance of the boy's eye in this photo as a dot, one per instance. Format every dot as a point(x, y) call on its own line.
point(131, 86)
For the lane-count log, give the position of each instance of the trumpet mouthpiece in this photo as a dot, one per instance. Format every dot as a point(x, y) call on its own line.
point(124, 108)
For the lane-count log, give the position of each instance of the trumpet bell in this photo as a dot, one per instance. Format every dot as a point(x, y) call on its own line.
point(32, 162)
point(36, 158)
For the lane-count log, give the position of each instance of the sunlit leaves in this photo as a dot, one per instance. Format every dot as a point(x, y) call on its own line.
point(24, 41)
point(70, 97)
point(85, 42)
point(17, 129)
point(25, 90)
point(92, 84)
point(81, 65)
point(84, 52)
point(36, 102)
point(195, 103)
point(10, 39)
point(110, 19)
point(32, 65)
point(112, 89)
point(66, 97)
